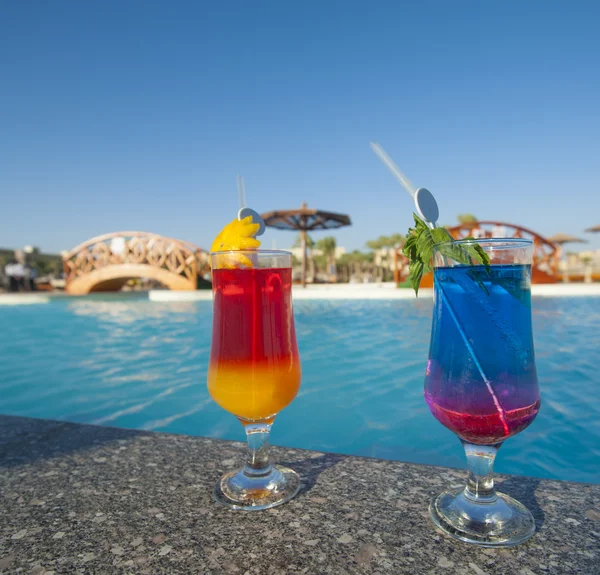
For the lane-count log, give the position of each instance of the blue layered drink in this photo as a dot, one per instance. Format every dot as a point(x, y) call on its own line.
point(481, 380)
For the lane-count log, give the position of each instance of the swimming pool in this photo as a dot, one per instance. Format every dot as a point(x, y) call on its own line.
point(140, 364)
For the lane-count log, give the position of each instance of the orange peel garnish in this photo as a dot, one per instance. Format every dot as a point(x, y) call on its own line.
point(237, 235)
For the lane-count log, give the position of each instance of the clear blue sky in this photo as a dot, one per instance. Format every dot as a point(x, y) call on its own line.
point(121, 115)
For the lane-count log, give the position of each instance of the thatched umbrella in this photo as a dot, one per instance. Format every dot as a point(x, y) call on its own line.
point(305, 220)
point(593, 229)
point(561, 239)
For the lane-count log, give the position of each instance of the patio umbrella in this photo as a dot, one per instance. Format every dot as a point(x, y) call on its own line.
point(561, 239)
point(593, 229)
point(305, 220)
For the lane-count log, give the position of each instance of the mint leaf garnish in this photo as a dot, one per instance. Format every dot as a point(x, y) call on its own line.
point(420, 243)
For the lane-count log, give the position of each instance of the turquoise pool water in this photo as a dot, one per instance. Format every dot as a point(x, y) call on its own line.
point(140, 364)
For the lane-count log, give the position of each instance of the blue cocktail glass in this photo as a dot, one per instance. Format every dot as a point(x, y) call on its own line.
point(481, 382)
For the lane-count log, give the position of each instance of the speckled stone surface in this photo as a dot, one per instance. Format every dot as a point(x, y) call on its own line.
point(84, 499)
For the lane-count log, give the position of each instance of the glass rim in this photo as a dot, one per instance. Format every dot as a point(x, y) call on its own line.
point(272, 253)
point(502, 243)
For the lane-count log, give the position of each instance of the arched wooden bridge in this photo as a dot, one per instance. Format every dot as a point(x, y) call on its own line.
point(546, 255)
point(108, 262)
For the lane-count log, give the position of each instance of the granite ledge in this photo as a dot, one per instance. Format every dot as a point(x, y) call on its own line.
point(84, 500)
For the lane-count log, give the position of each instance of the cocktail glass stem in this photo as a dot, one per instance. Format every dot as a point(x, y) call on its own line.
point(480, 463)
point(257, 460)
point(477, 513)
point(258, 484)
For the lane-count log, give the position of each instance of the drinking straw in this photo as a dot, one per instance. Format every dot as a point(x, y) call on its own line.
point(430, 218)
point(478, 365)
point(243, 212)
point(404, 181)
point(241, 192)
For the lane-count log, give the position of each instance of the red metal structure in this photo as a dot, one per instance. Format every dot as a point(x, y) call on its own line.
point(546, 255)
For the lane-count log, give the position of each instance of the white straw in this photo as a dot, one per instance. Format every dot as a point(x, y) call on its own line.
point(406, 184)
point(241, 192)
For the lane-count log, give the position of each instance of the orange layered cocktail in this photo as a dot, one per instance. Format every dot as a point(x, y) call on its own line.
point(254, 369)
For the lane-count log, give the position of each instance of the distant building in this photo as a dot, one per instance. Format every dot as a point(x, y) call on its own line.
point(297, 252)
point(384, 258)
point(581, 266)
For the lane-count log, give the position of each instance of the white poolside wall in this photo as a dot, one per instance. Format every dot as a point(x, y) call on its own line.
point(382, 291)
point(371, 291)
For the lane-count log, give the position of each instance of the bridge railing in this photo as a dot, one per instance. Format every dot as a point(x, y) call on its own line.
point(546, 255)
point(178, 257)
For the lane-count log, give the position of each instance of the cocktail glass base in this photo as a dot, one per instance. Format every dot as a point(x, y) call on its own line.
point(500, 521)
point(243, 489)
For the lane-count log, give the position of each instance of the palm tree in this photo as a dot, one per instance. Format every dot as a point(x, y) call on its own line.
point(310, 244)
point(397, 240)
point(354, 264)
point(382, 247)
point(377, 244)
point(386, 242)
point(327, 245)
point(298, 242)
point(466, 219)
